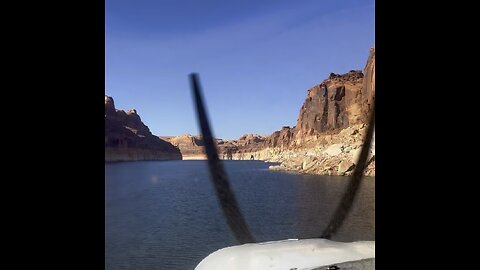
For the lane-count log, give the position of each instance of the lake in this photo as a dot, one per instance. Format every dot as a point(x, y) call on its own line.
point(165, 215)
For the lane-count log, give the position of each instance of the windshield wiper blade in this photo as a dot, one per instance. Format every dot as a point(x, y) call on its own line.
point(352, 189)
point(219, 177)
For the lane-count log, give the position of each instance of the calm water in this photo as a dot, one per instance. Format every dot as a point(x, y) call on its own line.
point(164, 214)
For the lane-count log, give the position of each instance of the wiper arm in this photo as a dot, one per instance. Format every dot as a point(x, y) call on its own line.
point(222, 187)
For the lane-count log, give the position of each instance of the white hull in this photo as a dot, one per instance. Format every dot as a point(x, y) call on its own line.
point(287, 254)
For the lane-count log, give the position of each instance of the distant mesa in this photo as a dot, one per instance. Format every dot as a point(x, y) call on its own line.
point(192, 147)
point(127, 138)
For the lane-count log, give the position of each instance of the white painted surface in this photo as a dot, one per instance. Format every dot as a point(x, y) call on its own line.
point(287, 254)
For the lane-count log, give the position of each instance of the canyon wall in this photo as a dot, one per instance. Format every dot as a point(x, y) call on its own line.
point(326, 139)
point(127, 138)
point(330, 129)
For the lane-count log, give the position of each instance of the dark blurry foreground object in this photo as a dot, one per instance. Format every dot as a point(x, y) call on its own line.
point(222, 187)
point(349, 196)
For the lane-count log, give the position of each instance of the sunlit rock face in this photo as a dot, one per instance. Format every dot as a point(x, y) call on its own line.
point(335, 111)
point(192, 147)
point(334, 104)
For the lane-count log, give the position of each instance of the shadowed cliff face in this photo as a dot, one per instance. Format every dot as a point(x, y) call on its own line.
point(127, 138)
point(283, 138)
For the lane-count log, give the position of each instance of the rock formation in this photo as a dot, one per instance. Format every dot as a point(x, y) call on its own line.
point(334, 104)
point(330, 128)
point(327, 138)
point(128, 138)
point(192, 147)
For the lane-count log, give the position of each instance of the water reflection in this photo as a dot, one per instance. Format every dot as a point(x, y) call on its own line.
point(164, 215)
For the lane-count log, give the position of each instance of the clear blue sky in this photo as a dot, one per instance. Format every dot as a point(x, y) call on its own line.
point(256, 58)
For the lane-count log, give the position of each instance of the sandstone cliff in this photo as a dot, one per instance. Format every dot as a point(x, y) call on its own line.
point(192, 147)
point(128, 138)
point(327, 138)
point(334, 104)
point(330, 128)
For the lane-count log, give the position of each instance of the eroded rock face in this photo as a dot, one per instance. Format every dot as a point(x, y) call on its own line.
point(109, 106)
point(192, 147)
point(283, 138)
point(327, 138)
point(330, 128)
point(334, 104)
point(128, 138)
point(338, 102)
point(250, 139)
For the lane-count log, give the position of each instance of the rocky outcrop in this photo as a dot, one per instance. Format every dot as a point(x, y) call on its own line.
point(320, 158)
point(332, 105)
point(128, 138)
point(330, 128)
point(327, 138)
point(192, 147)
point(245, 144)
point(282, 139)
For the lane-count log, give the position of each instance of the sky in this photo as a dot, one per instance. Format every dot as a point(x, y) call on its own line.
point(256, 58)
